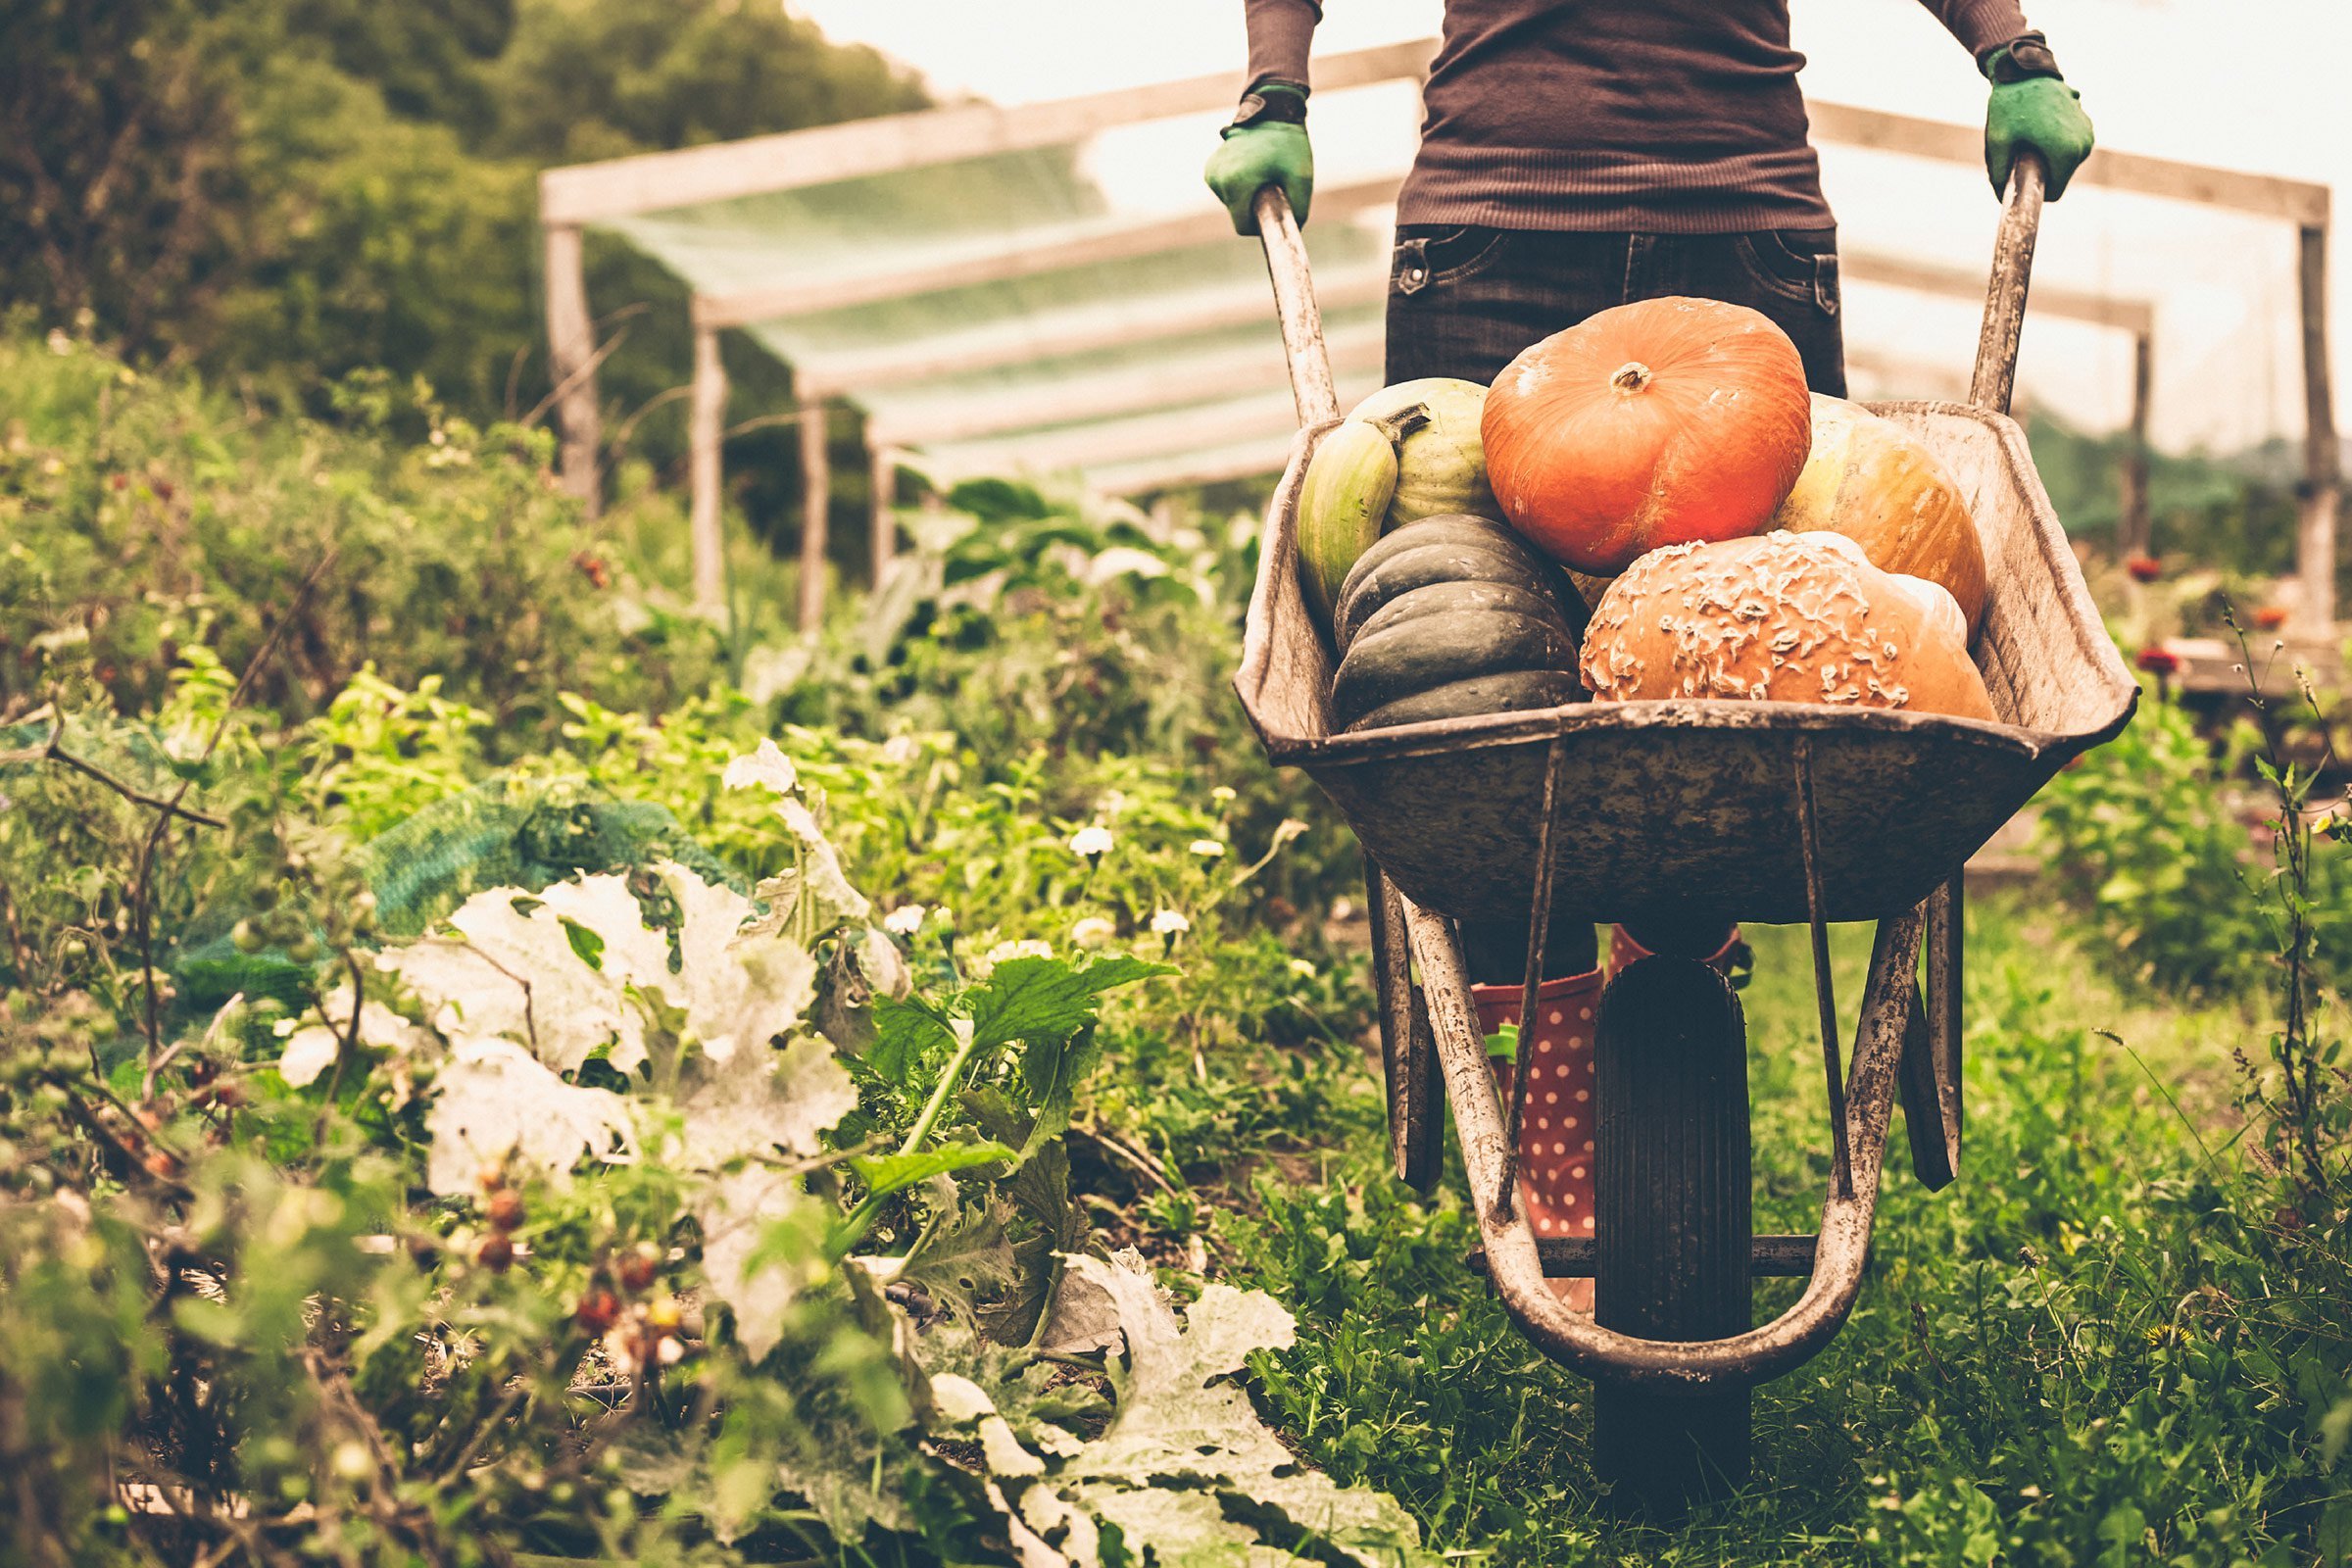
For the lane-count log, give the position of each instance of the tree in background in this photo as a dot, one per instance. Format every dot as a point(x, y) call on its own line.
point(286, 191)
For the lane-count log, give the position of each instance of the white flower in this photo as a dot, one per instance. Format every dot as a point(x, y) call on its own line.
point(1090, 841)
point(1221, 793)
point(1093, 932)
point(1169, 923)
point(1206, 849)
point(1302, 969)
point(899, 750)
point(905, 920)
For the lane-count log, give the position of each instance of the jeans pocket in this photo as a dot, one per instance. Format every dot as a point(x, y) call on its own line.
point(1433, 255)
point(1798, 264)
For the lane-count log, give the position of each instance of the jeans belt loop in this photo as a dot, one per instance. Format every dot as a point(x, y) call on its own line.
point(1825, 283)
point(1413, 274)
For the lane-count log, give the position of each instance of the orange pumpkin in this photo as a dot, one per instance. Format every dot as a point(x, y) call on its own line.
point(1788, 618)
point(1878, 484)
point(1661, 422)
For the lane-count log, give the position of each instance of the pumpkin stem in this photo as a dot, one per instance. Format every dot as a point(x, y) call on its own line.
point(1632, 375)
point(1403, 422)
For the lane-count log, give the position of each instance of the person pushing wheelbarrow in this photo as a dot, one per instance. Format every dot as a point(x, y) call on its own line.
point(1575, 157)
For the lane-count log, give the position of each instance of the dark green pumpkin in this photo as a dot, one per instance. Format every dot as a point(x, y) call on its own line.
point(1437, 650)
point(1446, 549)
point(1449, 617)
point(1517, 692)
point(1459, 594)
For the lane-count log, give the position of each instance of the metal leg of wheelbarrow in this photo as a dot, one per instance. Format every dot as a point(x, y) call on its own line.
point(1408, 1058)
point(1672, 1224)
point(1516, 1266)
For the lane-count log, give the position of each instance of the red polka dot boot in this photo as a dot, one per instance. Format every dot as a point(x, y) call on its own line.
point(1555, 1139)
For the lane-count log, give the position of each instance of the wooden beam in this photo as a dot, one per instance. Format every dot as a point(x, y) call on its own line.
point(1110, 242)
point(2323, 479)
point(572, 362)
point(883, 499)
point(587, 193)
point(1959, 282)
point(704, 439)
point(1081, 332)
point(1132, 389)
point(2133, 530)
point(619, 187)
point(817, 502)
point(2293, 201)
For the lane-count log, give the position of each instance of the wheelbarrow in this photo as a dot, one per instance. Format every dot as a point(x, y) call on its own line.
point(1671, 811)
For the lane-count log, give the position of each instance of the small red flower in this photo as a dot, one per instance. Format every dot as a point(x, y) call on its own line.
point(121, 481)
point(593, 568)
point(2144, 568)
point(2270, 618)
point(2157, 661)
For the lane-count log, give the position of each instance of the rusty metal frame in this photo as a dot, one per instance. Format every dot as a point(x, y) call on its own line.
point(1515, 1265)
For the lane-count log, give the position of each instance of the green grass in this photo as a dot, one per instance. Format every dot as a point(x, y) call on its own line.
point(2054, 1361)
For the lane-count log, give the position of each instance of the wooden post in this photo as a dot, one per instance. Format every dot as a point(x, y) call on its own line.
point(2133, 532)
point(816, 499)
point(885, 487)
point(571, 361)
point(710, 409)
point(2323, 492)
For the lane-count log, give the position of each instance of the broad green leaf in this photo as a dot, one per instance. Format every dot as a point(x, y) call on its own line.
point(1041, 999)
point(890, 1174)
point(961, 1254)
point(905, 1031)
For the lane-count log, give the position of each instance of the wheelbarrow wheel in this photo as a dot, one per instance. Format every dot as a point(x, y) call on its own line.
point(1673, 1223)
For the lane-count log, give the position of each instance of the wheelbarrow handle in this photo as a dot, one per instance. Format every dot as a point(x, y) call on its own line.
point(1295, 303)
point(1995, 376)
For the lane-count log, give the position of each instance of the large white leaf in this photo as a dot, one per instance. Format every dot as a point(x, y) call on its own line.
point(311, 1049)
point(517, 973)
point(737, 1210)
point(761, 1103)
point(1185, 1469)
point(494, 1099)
point(738, 988)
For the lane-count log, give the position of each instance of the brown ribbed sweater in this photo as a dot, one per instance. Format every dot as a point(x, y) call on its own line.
point(1639, 116)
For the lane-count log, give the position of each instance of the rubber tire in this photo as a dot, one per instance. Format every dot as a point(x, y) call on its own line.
point(1672, 1224)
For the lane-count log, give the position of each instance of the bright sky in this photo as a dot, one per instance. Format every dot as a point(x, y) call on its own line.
point(2257, 86)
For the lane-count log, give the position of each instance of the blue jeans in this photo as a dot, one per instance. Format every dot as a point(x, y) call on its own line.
point(1465, 301)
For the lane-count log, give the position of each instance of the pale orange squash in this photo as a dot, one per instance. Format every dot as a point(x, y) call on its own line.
point(1784, 617)
point(1878, 484)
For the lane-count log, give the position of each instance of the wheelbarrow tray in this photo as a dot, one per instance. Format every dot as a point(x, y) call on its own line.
point(1666, 806)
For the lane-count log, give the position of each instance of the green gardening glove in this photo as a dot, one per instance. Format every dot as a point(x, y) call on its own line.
point(1265, 145)
point(2033, 107)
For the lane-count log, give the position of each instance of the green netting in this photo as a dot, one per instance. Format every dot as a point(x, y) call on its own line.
point(1118, 337)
